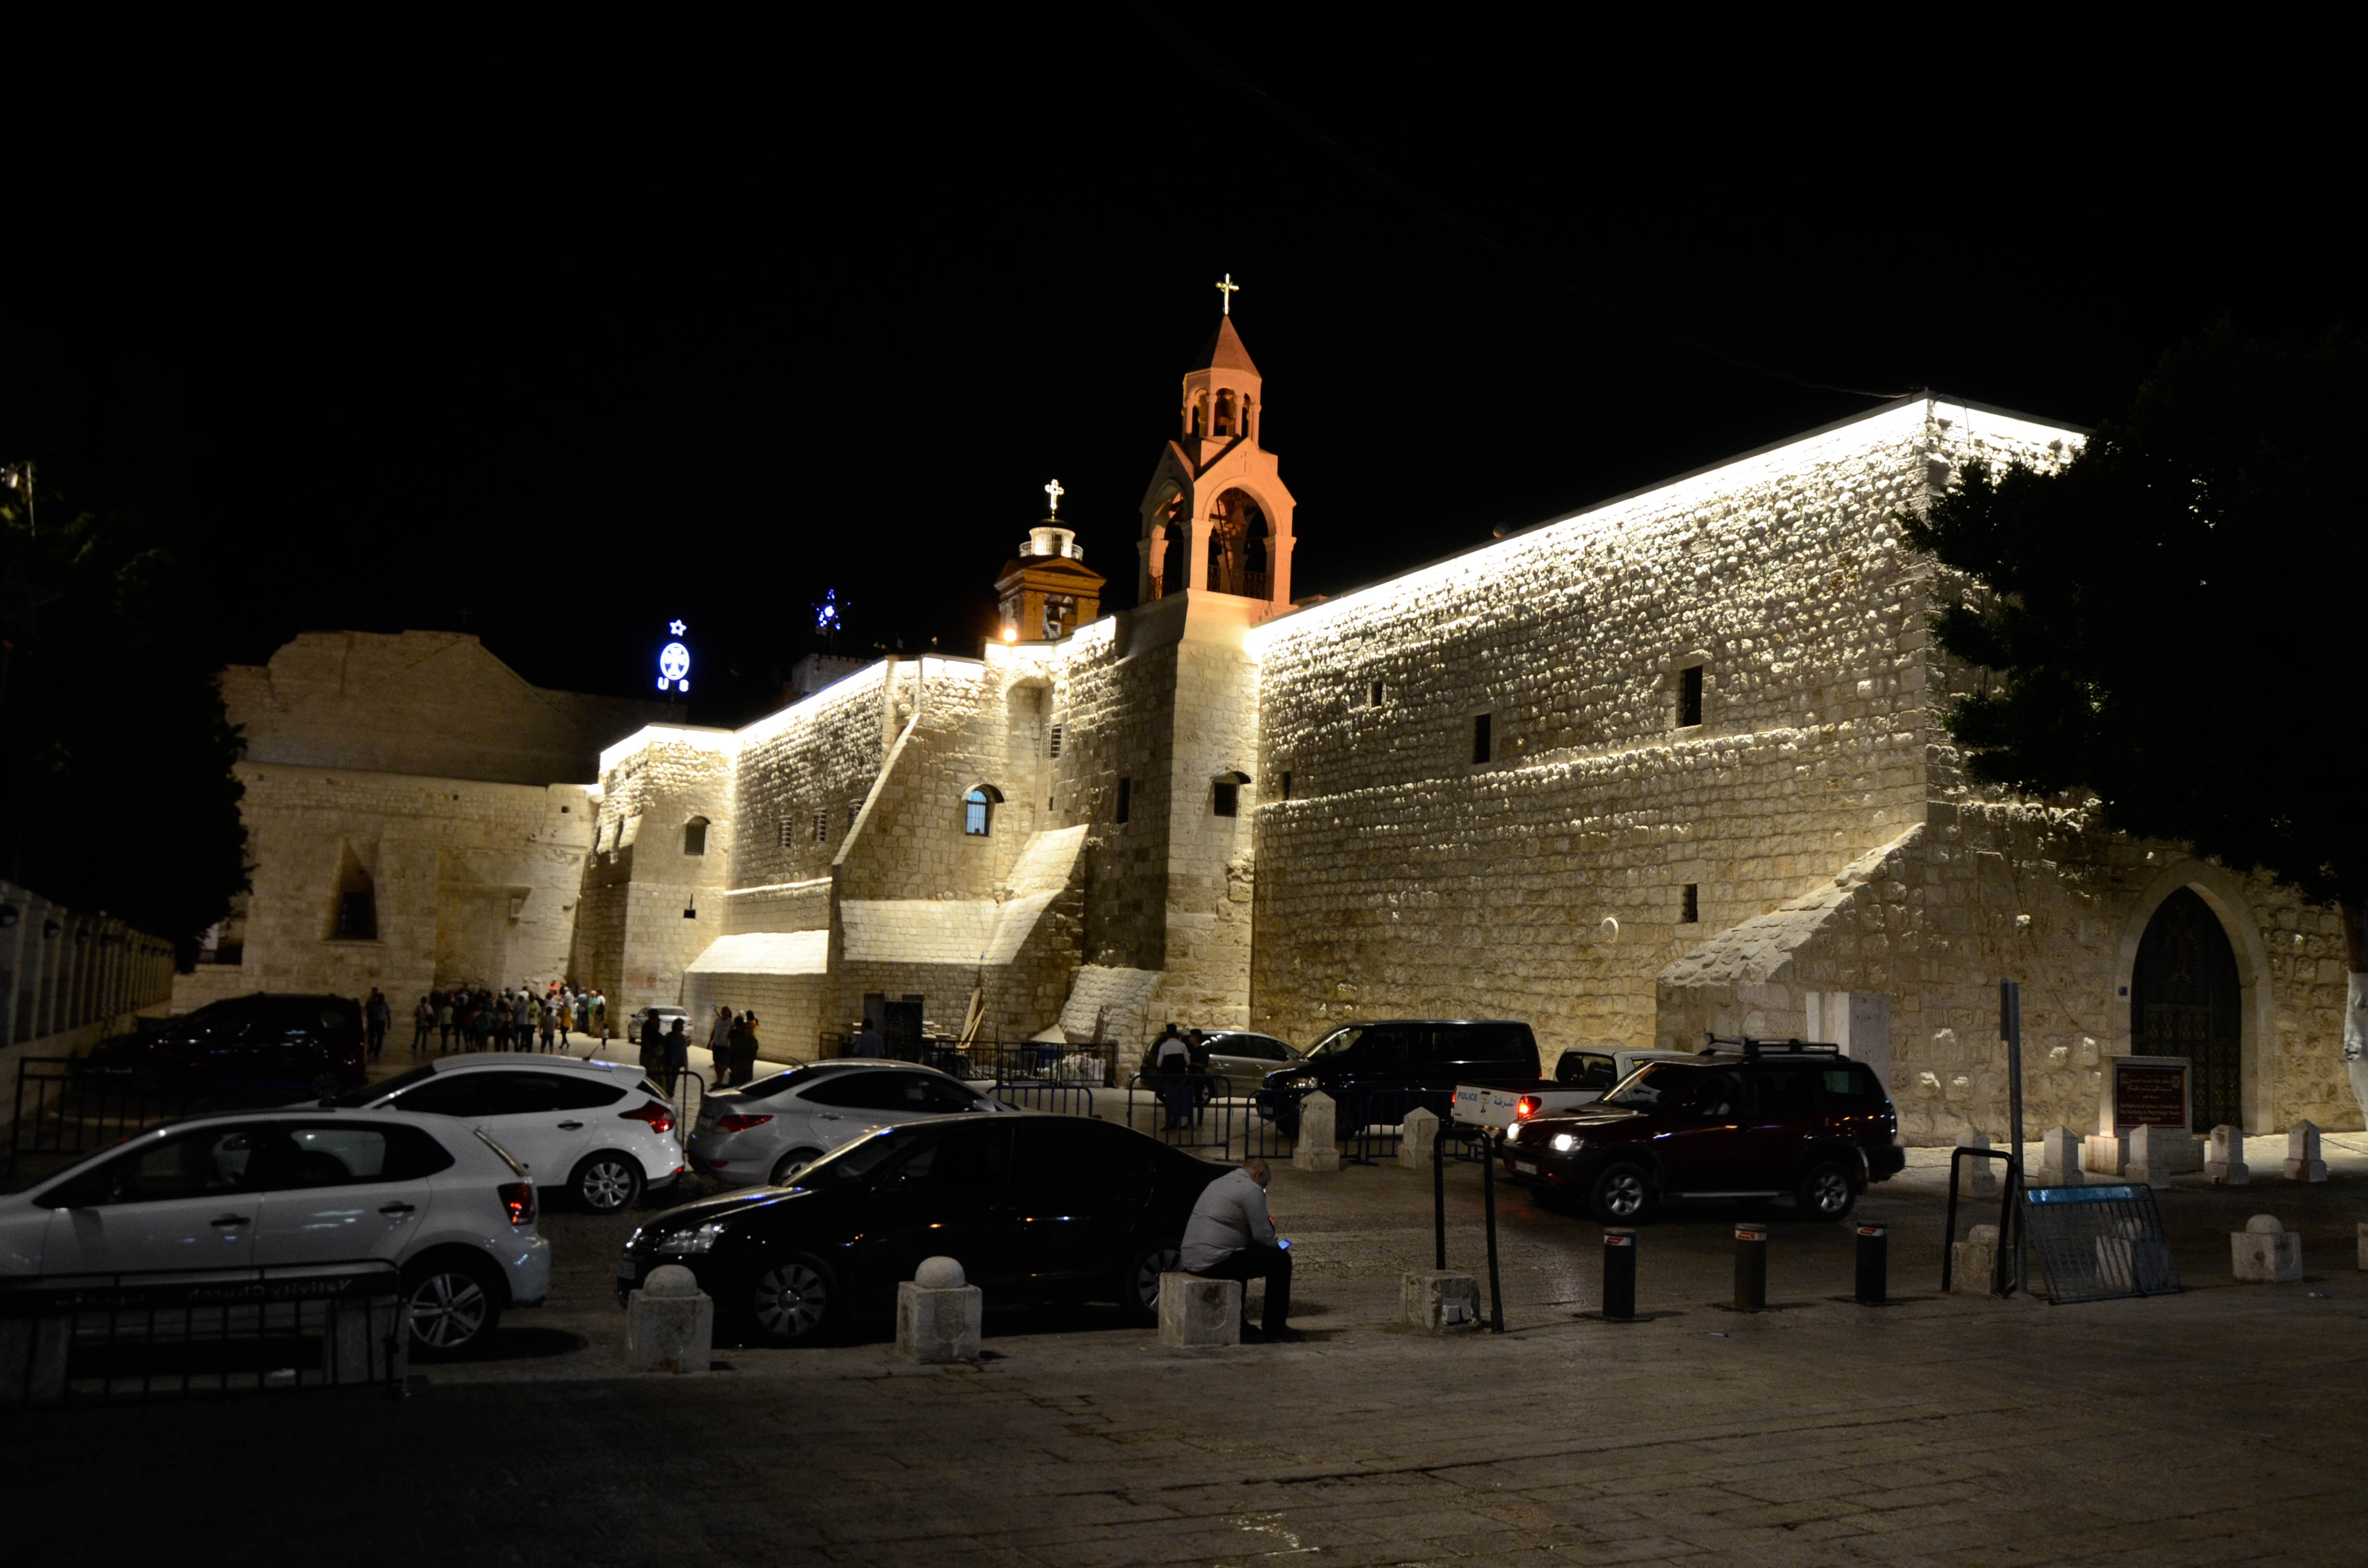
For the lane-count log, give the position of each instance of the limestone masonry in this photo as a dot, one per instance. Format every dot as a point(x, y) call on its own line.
point(1669, 766)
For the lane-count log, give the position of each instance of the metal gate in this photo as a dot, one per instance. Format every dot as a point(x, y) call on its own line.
point(2099, 1242)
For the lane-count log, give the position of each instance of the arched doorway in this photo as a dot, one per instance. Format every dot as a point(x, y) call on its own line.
point(2186, 1000)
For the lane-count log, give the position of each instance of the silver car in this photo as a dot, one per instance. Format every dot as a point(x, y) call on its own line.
point(775, 1127)
point(1238, 1061)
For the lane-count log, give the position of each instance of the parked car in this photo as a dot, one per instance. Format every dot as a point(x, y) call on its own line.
point(294, 1189)
point(261, 1038)
point(775, 1127)
point(1581, 1076)
point(1032, 1205)
point(665, 1017)
point(599, 1132)
point(1240, 1061)
point(1400, 1063)
point(1802, 1120)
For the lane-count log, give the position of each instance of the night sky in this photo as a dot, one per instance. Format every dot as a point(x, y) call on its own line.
point(557, 338)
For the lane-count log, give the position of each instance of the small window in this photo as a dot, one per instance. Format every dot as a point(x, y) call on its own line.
point(1480, 747)
point(1378, 693)
point(1052, 745)
point(1286, 783)
point(694, 836)
point(357, 916)
point(1690, 904)
point(1225, 796)
point(783, 827)
point(978, 810)
point(1689, 693)
point(822, 828)
point(1125, 798)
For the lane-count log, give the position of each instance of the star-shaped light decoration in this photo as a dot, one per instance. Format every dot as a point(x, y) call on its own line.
point(676, 627)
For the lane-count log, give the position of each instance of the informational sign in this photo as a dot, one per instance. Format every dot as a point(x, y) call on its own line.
point(1480, 1106)
point(2148, 1091)
point(674, 662)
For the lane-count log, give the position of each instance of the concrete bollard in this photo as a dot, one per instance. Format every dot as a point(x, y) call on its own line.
point(2226, 1162)
point(2059, 1158)
point(366, 1334)
point(1196, 1313)
point(669, 1323)
point(1980, 1177)
point(33, 1357)
point(1973, 1263)
point(1438, 1302)
point(2100, 1155)
point(2265, 1253)
point(1750, 1267)
point(1874, 1282)
point(2150, 1155)
point(2303, 1160)
point(939, 1313)
point(1620, 1274)
point(1416, 1133)
point(1316, 1149)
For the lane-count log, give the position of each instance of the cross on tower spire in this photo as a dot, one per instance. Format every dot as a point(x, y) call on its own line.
point(1226, 290)
point(1056, 491)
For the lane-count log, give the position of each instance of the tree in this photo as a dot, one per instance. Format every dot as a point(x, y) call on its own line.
point(116, 789)
point(2171, 620)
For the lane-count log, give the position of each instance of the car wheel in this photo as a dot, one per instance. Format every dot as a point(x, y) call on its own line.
point(1826, 1193)
point(606, 1183)
point(1623, 1194)
point(1138, 1288)
point(791, 1165)
point(793, 1299)
point(453, 1304)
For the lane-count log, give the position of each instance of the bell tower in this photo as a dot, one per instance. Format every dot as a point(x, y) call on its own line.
point(1216, 518)
point(1044, 591)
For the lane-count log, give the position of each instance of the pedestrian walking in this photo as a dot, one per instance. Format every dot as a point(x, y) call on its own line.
point(423, 1018)
point(866, 1041)
point(1171, 1063)
point(566, 1011)
point(598, 1022)
point(653, 1044)
point(720, 1030)
point(444, 1026)
point(743, 1052)
point(677, 1054)
point(1231, 1236)
point(550, 1021)
point(376, 1016)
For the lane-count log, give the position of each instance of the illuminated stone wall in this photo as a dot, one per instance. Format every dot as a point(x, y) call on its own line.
point(632, 939)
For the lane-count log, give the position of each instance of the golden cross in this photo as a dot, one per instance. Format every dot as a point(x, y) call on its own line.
point(1056, 491)
point(1226, 290)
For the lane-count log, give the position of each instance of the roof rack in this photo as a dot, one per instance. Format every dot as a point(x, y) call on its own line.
point(1751, 1047)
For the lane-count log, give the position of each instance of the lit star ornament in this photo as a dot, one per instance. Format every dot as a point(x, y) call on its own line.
point(677, 628)
point(674, 662)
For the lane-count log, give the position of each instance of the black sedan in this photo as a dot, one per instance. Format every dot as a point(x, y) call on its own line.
point(1034, 1207)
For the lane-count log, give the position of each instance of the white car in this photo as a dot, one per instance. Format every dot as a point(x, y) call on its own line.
point(770, 1131)
point(248, 1193)
point(601, 1133)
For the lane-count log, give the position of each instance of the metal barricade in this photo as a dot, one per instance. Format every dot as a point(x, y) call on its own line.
point(1182, 1110)
point(2096, 1243)
point(63, 1112)
point(128, 1336)
point(2007, 1275)
point(1066, 1099)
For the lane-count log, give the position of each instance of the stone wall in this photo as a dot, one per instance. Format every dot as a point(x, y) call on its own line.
point(633, 937)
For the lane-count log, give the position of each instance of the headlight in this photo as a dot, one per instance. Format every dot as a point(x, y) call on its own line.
point(1513, 1133)
point(1564, 1142)
point(700, 1240)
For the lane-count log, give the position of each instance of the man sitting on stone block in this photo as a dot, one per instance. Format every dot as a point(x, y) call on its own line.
point(1231, 1236)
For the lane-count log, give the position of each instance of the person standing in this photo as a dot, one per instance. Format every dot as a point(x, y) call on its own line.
point(549, 1023)
point(376, 1016)
point(1171, 1060)
point(444, 1026)
point(595, 1020)
point(653, 1044)
point(566, 1010)
point(720, 1032)
point(677, 1054)
point(522, 1016)
point(743, 1052)
point(423, 1018)
point(1232, 1236)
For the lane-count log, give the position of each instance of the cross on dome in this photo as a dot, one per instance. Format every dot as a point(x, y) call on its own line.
point(1226, 290)
point(1056, 491)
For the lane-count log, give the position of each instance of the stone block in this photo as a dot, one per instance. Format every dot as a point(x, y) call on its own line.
point(1973, 1263)
point(2150, 1155)
point(1316, 1149)
point(33, 1358)
point(1978, 1179)
point(939, 1325)
point(2302, 1159)
point(1195, 1312)
point(1439, 1303)
point(2265, 1253)
point(669, 1323)
point(368, 1341)
point(2059, 1158)
point(1417, 1135)
point(2225, 1160)
point(2102, 1154)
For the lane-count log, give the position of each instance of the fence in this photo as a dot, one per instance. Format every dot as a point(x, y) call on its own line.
point(126, 1336)
point(1002, 1062)
point(2098, 1243)
point(61, 1114)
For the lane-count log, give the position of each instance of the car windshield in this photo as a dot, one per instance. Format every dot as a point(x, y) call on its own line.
point(371, 1093)
point(858, 1158)
point(779, 1083)
point(1654, 1086)
point(1336, 1041)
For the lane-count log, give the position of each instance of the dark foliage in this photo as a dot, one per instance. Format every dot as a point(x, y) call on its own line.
point(117, 753)
point(2174, 616)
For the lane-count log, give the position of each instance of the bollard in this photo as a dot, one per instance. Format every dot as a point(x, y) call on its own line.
point(1750, 1267)
point(1620, 1274)
point(1874, 1265)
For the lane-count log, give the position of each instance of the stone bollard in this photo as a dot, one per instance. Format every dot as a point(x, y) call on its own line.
point(1439, 1303)
point(2150, 1155)
point(33, 1355)
point(1317, 1150)
point(939, 1313)
point(2303, 1160)
point(2059, 1158)
point(368, 1341)
point(2265, 1253)
point(1973, 1263)
point(1196, 1313)
point(2226, 1163)
point(1980, 1177)
point(2100, 1155)
point(669, 1323)
point(1417, 1134)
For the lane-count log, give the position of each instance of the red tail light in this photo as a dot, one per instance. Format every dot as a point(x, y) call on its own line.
point(659, 1117)
point(517, 1197)
point(741, 1123)
point(1528, 1107)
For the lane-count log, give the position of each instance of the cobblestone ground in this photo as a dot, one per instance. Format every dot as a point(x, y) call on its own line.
point(2216, 1427)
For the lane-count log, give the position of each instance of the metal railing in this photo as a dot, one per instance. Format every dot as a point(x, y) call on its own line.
point(129, 1336)
point(1016, 1061)
point(2099, 1242)
point(2007, 1275)
point(62, 1113)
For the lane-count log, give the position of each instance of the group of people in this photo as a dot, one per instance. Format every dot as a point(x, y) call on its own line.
point(1171, 1063)
point(731, 1040)
point(507, 1020)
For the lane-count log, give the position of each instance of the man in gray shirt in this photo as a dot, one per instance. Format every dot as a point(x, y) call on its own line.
point(1231, 1236)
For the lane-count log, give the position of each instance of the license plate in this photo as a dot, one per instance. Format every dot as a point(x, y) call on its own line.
point(1525, 1167)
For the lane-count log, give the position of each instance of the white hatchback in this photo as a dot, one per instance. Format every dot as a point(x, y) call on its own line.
point(246, 1194)
point(600, 1132)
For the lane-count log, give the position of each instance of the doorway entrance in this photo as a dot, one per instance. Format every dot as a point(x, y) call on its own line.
point(2186, 1000)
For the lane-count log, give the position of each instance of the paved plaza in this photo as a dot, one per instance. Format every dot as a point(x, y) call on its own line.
point(2215, 1426)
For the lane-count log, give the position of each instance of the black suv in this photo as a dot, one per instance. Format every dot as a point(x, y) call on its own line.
point(257, 1038)
point(1382, 1070)
point(1761, 1119)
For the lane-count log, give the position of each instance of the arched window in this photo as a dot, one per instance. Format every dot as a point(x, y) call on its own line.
point(978, 809)
point(1224, 414)
point(694, 836)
